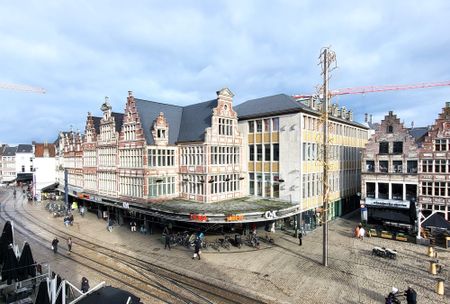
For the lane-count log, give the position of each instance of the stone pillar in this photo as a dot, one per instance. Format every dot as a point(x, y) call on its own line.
point(390, 191)
point(376, 189)
point(404, 192)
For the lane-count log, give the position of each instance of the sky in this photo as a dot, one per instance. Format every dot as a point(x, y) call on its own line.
point(182, 52)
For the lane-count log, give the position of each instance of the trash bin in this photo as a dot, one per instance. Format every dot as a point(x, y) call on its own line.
point(237, 240)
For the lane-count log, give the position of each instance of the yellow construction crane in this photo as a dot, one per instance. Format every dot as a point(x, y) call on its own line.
point(21, 87)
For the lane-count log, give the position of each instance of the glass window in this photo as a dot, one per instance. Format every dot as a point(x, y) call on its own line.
point(398, 166)
point(259, 152)
point(389, 129)
point(276, 186)
point(275, 124)
point(259, 184)
point(251, 152)
point(384, 147)
point(398, 147)
point(370, 166)
point(370, 190)
point(251, 182)
point(440, 144)
point(439, 188)
point(267, 185)
point(383, 166)
point(397, 191)
point(383, 190)
point(411, 192)
point(259, 126)
point(427, 165)
point(267, 125)
point(251, 127)
point(267, 152)
point(439, 165)
point(412, 166)
point(276, 152)
point(427, 188)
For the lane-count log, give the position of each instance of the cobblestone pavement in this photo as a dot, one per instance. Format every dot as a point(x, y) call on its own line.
point(283, 273)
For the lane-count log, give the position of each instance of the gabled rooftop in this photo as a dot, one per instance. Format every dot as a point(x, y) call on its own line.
point(24, 148)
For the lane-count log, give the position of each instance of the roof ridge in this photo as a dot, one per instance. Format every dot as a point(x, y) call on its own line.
point(162, 103)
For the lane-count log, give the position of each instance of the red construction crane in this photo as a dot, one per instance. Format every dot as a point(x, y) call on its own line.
point(21, 87)
point(372, 89)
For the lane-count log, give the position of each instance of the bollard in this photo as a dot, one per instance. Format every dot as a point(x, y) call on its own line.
point(440, 287)
point(430, 251)
point(432, 267)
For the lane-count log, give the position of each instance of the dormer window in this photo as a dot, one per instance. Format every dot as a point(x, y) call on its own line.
point(160, 130)
point(161, 133)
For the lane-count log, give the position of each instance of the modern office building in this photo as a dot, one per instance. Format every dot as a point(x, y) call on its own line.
point(283, 158)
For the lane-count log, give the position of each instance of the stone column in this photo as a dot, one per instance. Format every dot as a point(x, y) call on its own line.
point(404, 192)
point(390, 191)
point(376, 189)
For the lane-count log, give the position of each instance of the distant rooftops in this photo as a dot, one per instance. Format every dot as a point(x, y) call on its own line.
point(24, 148)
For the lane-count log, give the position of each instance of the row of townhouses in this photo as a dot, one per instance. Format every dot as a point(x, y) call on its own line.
point(268, 148)
point(28, 163)
point(405, 168)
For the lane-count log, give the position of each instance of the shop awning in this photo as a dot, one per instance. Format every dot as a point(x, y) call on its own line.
point(24, 177)
point(436, 220)
point(50, 188)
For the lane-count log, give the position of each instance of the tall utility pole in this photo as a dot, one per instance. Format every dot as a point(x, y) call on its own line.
point(327, 58)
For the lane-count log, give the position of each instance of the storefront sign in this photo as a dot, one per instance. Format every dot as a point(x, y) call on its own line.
point(198, 217)
point(387, 203)
point(235, 217)
point(270, 214)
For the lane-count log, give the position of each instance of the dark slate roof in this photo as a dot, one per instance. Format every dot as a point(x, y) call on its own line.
point(196, 118)
point(149, 110)
point(118, 118)
point(277, 105)
point(268, 106)
point(10, 151)
point(436, 220)
point(418, 133)
point(97, 123)
point(24, 149)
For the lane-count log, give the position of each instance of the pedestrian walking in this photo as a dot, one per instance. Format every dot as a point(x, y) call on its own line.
point(167, 241)
point(362, 233)
point(55, 245)
point(300, 237)
point(69, 244)
point(133, 226)
point(356, 232)
point(411, 295)
point(84, 285)
point(197, 250)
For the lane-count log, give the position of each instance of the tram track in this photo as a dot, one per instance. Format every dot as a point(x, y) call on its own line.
point(153, 280)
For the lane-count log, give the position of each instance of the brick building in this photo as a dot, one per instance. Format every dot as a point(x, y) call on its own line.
point(434, 176)
point(390, 172)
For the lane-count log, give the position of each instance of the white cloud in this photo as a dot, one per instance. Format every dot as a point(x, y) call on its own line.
point(183, 51)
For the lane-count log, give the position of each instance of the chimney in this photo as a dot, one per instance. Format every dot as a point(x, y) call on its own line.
point(366, 117)
point(412, 124)
point(370, 118)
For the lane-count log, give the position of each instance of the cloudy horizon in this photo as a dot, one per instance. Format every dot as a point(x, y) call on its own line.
point(182, 52)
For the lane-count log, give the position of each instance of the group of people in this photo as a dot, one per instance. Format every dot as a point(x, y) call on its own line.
point(55, 243)
point(410, 294)
point(68, 219)
point(360, 232)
